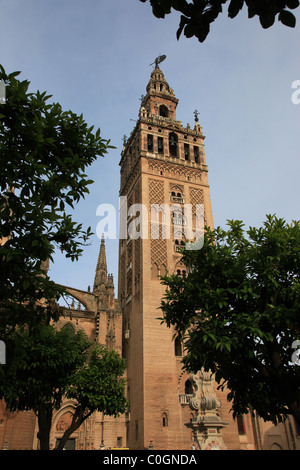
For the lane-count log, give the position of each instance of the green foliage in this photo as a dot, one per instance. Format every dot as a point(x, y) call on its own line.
point(44, 152)
point(99, 384)
point(46, 365)
point(198, 15)
point(238, 313)
point(40, 364)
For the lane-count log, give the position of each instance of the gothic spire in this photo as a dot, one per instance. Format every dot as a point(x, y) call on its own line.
point(101, 269)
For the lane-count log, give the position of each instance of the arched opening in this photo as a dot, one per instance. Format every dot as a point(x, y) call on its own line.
point(69, 328)
point(178, 347)
point(165, 420)
point(173, 144)
point(163, 110)
point(188, 388)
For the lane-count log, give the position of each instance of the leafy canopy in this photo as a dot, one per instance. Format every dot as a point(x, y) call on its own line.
point(41, 362)
point(44, 152)
point(237, 312)
point(198, 15)
point(47, 365)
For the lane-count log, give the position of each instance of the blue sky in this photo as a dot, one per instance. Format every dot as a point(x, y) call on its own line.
point(93, 56)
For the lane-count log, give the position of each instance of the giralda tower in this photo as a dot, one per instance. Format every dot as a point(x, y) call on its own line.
point(162, 162)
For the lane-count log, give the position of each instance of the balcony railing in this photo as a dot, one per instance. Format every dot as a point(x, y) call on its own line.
point(178, 199)
point(184, 398)
point(179, 221)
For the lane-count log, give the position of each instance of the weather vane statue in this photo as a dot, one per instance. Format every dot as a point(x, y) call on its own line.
point(158, 60)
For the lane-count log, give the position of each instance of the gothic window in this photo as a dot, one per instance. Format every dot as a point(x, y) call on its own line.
point(163, 111)
point(173, 144)
point(196, 154)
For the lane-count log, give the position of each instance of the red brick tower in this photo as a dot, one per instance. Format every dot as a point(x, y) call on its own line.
point(162, 163)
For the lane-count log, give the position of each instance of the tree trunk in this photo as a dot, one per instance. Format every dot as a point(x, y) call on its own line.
point(78, 418)
point(44, 421)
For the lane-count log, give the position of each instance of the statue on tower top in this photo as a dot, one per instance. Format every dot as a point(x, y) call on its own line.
point(158, 60)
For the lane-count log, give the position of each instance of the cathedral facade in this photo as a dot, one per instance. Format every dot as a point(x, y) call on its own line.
point(165, 198)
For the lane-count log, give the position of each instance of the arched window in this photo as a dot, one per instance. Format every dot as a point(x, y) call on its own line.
point(178, 347)
point(160, 144)
point(150, 142)
point(163, 111)
point(188, 389)
point(186, 151)
point(69, 328)
point(177, 196)
point(165, 420)
point(173, 144)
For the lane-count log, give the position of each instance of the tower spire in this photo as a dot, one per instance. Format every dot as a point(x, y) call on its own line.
point(101, 269)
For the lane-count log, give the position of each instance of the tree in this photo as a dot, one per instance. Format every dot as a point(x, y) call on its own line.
point(97, 386)
point(44, 152)
point(198, 15)
point(54, 364)
point(40, 362)
point(237, 312)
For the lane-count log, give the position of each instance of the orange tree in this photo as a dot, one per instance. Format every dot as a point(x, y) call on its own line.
point(46, 365)
point(44, 153)
point(237, 312)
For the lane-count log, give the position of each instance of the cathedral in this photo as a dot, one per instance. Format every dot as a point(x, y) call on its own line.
point(163, 173)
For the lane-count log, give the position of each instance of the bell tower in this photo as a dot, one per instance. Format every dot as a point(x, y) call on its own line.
point(163, 172)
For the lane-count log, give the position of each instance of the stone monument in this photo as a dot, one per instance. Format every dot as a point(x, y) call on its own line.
point(206, 425)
